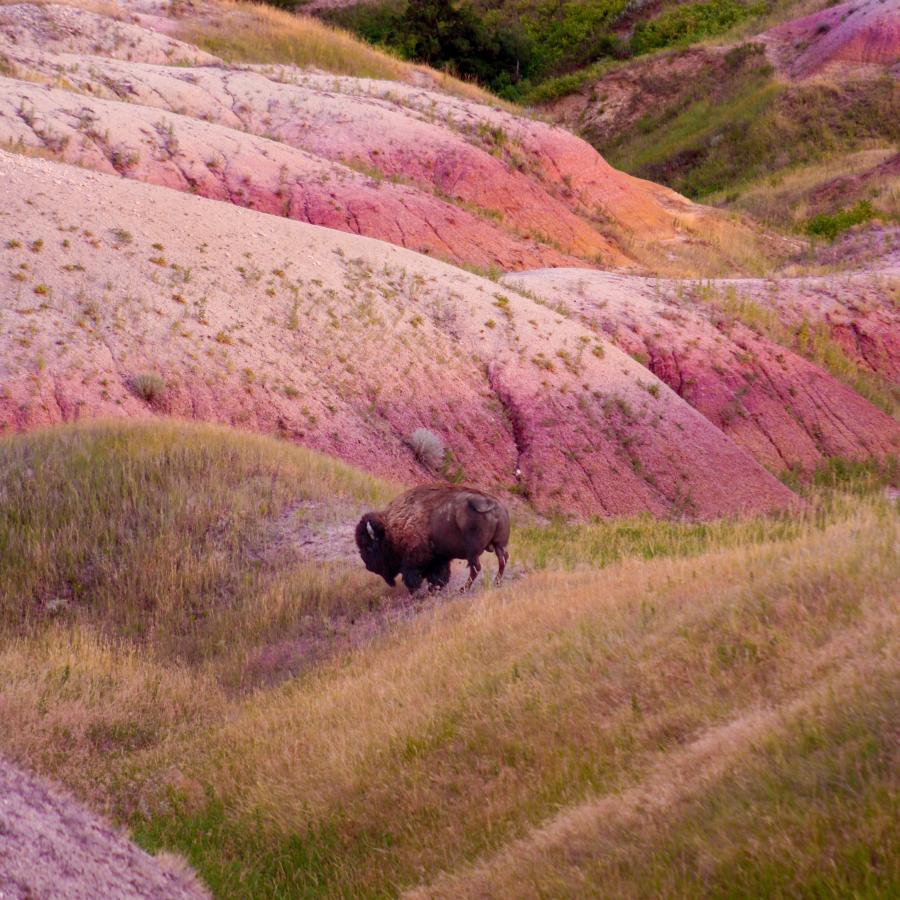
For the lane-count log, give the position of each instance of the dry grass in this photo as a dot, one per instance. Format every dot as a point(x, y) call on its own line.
point(154, 535)
point(465, 731)
point(712, 247)
point(698, 810)
point(784, 200)
point(453, 743)
point(256, 33)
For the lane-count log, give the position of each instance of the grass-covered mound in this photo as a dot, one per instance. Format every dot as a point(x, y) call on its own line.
point(700, 708)
point(156, 535)
point(720, 138)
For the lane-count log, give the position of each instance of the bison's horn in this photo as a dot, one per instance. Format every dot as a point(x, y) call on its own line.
point(371, 530)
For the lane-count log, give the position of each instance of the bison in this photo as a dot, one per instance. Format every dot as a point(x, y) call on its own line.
point(418, 534)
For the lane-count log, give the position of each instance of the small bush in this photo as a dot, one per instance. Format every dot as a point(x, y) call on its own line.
point(150, 387)
point(427, 446)
point(830, 226)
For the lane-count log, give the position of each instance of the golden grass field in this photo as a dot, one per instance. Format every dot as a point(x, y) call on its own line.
point(653, 709)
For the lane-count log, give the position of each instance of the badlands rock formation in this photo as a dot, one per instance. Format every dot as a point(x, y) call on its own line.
point(434, 173)
point(786, 411)
point(175, 278)
point(860, 36)
point(129, 299)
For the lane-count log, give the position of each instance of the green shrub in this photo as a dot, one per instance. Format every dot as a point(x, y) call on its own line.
point(504, 46)
point(686, 24)
point(830, 226)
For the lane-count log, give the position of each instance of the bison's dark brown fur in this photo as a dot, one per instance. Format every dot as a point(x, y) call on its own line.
point(420, 532)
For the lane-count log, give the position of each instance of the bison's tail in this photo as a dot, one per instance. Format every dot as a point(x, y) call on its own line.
point(482, 504)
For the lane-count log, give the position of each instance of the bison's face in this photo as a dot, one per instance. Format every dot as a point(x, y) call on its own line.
point(375, 549)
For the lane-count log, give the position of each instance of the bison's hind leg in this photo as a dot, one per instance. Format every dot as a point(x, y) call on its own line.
point(474, 569)
point(502, 559)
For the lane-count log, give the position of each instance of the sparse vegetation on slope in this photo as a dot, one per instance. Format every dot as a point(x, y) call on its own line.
point(811, 339)
point(791, 198)
point(718, 121)
point(440, 745)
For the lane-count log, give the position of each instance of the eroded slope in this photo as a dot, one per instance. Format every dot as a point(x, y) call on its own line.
point(787, 411)
point(477, 184)
point(122, 298)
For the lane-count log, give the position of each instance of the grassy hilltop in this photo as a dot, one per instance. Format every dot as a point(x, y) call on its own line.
point(652, 708)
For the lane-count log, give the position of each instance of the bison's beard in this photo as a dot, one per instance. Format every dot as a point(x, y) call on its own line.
point(377, 565)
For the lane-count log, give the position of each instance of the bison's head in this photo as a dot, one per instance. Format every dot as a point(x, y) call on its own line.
point(375, 547)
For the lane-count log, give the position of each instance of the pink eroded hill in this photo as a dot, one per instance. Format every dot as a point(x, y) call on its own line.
point(857, 36)
point(190, 154)
point(128, 299)
point(501, 189)
point(53, 847)
point(782, 408)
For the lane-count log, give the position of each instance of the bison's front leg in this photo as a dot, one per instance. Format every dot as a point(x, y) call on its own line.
point(438, 575)
point(412, 578)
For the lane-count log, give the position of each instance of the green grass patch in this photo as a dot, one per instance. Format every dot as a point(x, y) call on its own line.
point(830, 226)
point(691, 22)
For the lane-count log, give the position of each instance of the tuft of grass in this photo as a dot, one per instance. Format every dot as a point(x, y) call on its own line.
point(150, 387)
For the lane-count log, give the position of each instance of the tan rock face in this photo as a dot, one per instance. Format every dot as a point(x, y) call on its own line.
point(122, 298)
point(434, 173)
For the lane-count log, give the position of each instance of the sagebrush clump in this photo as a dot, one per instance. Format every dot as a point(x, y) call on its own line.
point(427, 446)
point(150, 387)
